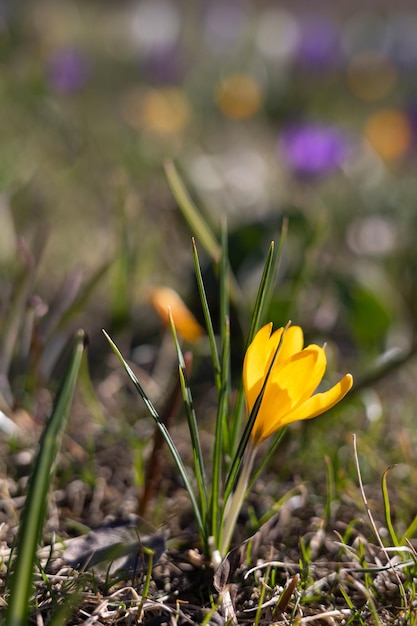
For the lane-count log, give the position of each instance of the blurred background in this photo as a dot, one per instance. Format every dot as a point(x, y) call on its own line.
point(270, 110)
point(267, 110)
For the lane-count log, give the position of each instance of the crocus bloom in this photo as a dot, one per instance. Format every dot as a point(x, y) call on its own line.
point(313, 149)
point(238, 96)
point(162, 65)
point(390, 133)
point(163, 111)
point(288, 375)
point(164, 300)
point(68, 70)
point(295, 374)
point(320, 45)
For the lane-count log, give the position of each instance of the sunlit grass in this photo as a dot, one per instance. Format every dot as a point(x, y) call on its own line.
point(117, 149)
point(311, 563)
point(209, 506)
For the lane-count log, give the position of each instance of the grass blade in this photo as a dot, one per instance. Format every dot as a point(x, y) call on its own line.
point(221, 448)
point(387, 508)
point(200, 473)
point(410, 532)
point(207, 317)
point(199, 227)
point(269, 455)
point(81, 297)
point(35, 506)
point(266, 284)
point(13, 323)
point(220, 431)
point(261, 306)
point(168, 440)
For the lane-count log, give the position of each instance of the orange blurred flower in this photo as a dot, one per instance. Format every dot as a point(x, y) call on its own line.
point(389, 132)
point(165, 299)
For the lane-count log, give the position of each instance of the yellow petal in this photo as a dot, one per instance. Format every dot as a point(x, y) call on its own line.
point(257, 361)
point(260, 353)
point(292, 343)
point(289, 386)
point(314, 406)
point(320, 402)
point(302, 373)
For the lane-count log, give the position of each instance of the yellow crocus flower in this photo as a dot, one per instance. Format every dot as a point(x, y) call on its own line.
point(277, 365)
point(295, 374)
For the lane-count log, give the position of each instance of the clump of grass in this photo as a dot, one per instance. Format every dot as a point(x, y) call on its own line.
point(30, 531)
point(209, 515)
point(218, 495)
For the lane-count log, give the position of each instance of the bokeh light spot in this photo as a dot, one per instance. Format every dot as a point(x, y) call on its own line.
point(165, 111)
point(403, 44)
point(320, 44)
point(155, 24)
point(67, 70)
point(238, 96)
point(372, 235)
point(389, 133)
point(312, 149)
point(371, 76)
point(365, 32)
point(277, 34)
point(224, 23)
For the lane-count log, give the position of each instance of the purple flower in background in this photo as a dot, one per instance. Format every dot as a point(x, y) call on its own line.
point(312, 149)
point(67, 71)
point(163, 64)
point(319, 43)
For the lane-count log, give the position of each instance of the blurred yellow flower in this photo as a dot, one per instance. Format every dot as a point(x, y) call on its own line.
point(295, 374)
point(164, 299)
point(389, 132)
point(163, 111)
point(238, 96)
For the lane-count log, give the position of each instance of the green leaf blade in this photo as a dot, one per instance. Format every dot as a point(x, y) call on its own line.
point(35, 506)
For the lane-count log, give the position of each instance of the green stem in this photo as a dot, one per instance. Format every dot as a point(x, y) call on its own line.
point(234, 505)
